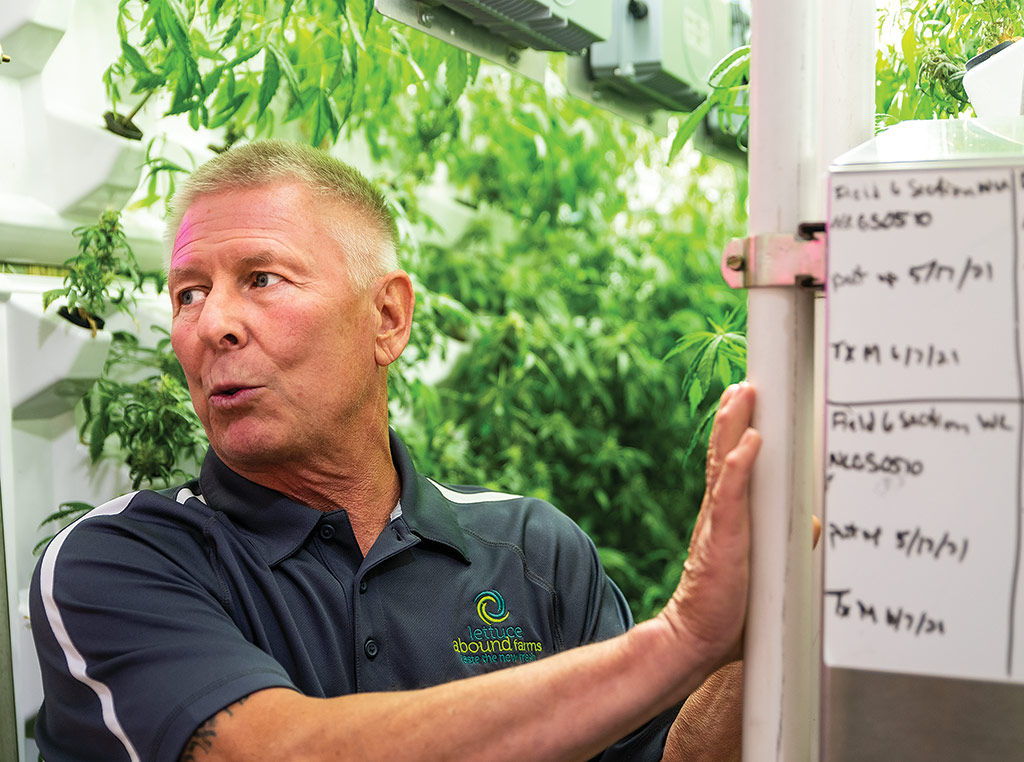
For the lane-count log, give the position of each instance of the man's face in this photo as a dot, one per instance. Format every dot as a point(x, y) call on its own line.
point(276, 343)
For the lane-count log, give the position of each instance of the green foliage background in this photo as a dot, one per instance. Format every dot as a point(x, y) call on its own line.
point(924, 49)
point(562, 389)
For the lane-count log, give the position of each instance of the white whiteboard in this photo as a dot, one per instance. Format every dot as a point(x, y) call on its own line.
point(924, 423)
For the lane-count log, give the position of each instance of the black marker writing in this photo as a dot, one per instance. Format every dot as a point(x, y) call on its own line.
point(915, 543)
point(873, 463)
point(899, 619)
point(931, 272)
point(906, 355)
point(945, 188)
point(869, 421)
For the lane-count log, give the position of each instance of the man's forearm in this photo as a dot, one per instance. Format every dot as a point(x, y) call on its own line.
point(568, 706)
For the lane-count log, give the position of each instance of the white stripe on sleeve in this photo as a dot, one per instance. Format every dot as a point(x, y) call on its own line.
point(76, 662)
point(468, 498)
point(185, 493)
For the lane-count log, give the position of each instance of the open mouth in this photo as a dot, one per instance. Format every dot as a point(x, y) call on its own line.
point(232, 394)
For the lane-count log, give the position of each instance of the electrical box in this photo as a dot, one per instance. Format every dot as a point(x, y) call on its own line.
point(924, 459)
point(570, 26)
point(661, 52)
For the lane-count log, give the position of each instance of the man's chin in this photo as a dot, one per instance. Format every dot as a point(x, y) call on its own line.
point(248, 453)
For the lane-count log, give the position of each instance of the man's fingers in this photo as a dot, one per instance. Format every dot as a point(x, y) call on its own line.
point(732, 419)
point(735, 474)
point(725, 508)
point(728, 394)
point(713, 591)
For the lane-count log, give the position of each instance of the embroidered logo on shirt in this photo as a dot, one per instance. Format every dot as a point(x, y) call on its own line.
point(483, 600)
point(495, 644)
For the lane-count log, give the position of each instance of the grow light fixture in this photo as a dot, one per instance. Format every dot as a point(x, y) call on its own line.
point(569, 26)
point(661, 52)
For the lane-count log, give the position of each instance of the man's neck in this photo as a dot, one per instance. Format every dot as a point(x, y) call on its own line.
point(364, 483)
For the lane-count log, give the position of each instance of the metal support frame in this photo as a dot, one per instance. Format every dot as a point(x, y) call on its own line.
point(775, 259)
point(449, 26)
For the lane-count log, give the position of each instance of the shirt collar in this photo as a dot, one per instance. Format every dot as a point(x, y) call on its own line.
point(278, 526)
point(424, 509)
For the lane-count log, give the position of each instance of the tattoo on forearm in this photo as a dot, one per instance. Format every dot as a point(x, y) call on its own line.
point(201, 742)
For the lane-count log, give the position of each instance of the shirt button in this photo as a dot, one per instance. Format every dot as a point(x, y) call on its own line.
point(370, 648)
point(326, 531)
point(362, 586)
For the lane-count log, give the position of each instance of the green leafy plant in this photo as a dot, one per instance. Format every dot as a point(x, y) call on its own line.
point(64, 515)
point(150, 415)
point(924, 50)
point(717, 358)
point(142, 402)
point(157, 430)
point(253, 67)
point(161, 174)
point(727, 102)
point(920, 64)
point(571, 292)
point(103, 274)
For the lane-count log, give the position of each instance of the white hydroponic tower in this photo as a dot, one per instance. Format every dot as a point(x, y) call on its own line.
point(59, 168)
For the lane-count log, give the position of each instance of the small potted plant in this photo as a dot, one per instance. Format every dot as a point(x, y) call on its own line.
point(96, 280)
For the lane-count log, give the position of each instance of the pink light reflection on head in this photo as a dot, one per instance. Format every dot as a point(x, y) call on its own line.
point(178, 257)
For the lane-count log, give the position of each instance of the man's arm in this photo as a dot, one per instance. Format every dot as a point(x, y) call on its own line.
point(568, 706)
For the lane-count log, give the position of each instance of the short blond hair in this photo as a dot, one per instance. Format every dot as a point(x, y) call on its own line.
point(267, 162)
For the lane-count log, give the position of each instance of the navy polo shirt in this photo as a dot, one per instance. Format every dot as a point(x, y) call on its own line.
point(157, 610)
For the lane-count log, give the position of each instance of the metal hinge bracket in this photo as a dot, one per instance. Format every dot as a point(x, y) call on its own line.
point(777, 259)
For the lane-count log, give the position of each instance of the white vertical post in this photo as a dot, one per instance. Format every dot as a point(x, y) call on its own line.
point(811, 92)
point(780, 326)
point(779, 698)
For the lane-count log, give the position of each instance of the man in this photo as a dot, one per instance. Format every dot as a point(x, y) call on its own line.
point(310, 596)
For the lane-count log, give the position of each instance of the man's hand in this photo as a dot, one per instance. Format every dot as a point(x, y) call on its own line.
point(709, 726)
point(709, 605)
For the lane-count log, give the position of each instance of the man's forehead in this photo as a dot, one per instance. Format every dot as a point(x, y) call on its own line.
point(275, 206)
point(252, 219)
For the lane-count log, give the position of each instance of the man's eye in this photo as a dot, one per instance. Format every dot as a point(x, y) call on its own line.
point(189, 296)
point(262, 280)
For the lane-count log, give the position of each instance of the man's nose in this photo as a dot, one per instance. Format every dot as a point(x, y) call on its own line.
point(222, 320)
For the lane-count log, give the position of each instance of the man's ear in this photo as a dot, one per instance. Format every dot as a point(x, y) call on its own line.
point(394, 302)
